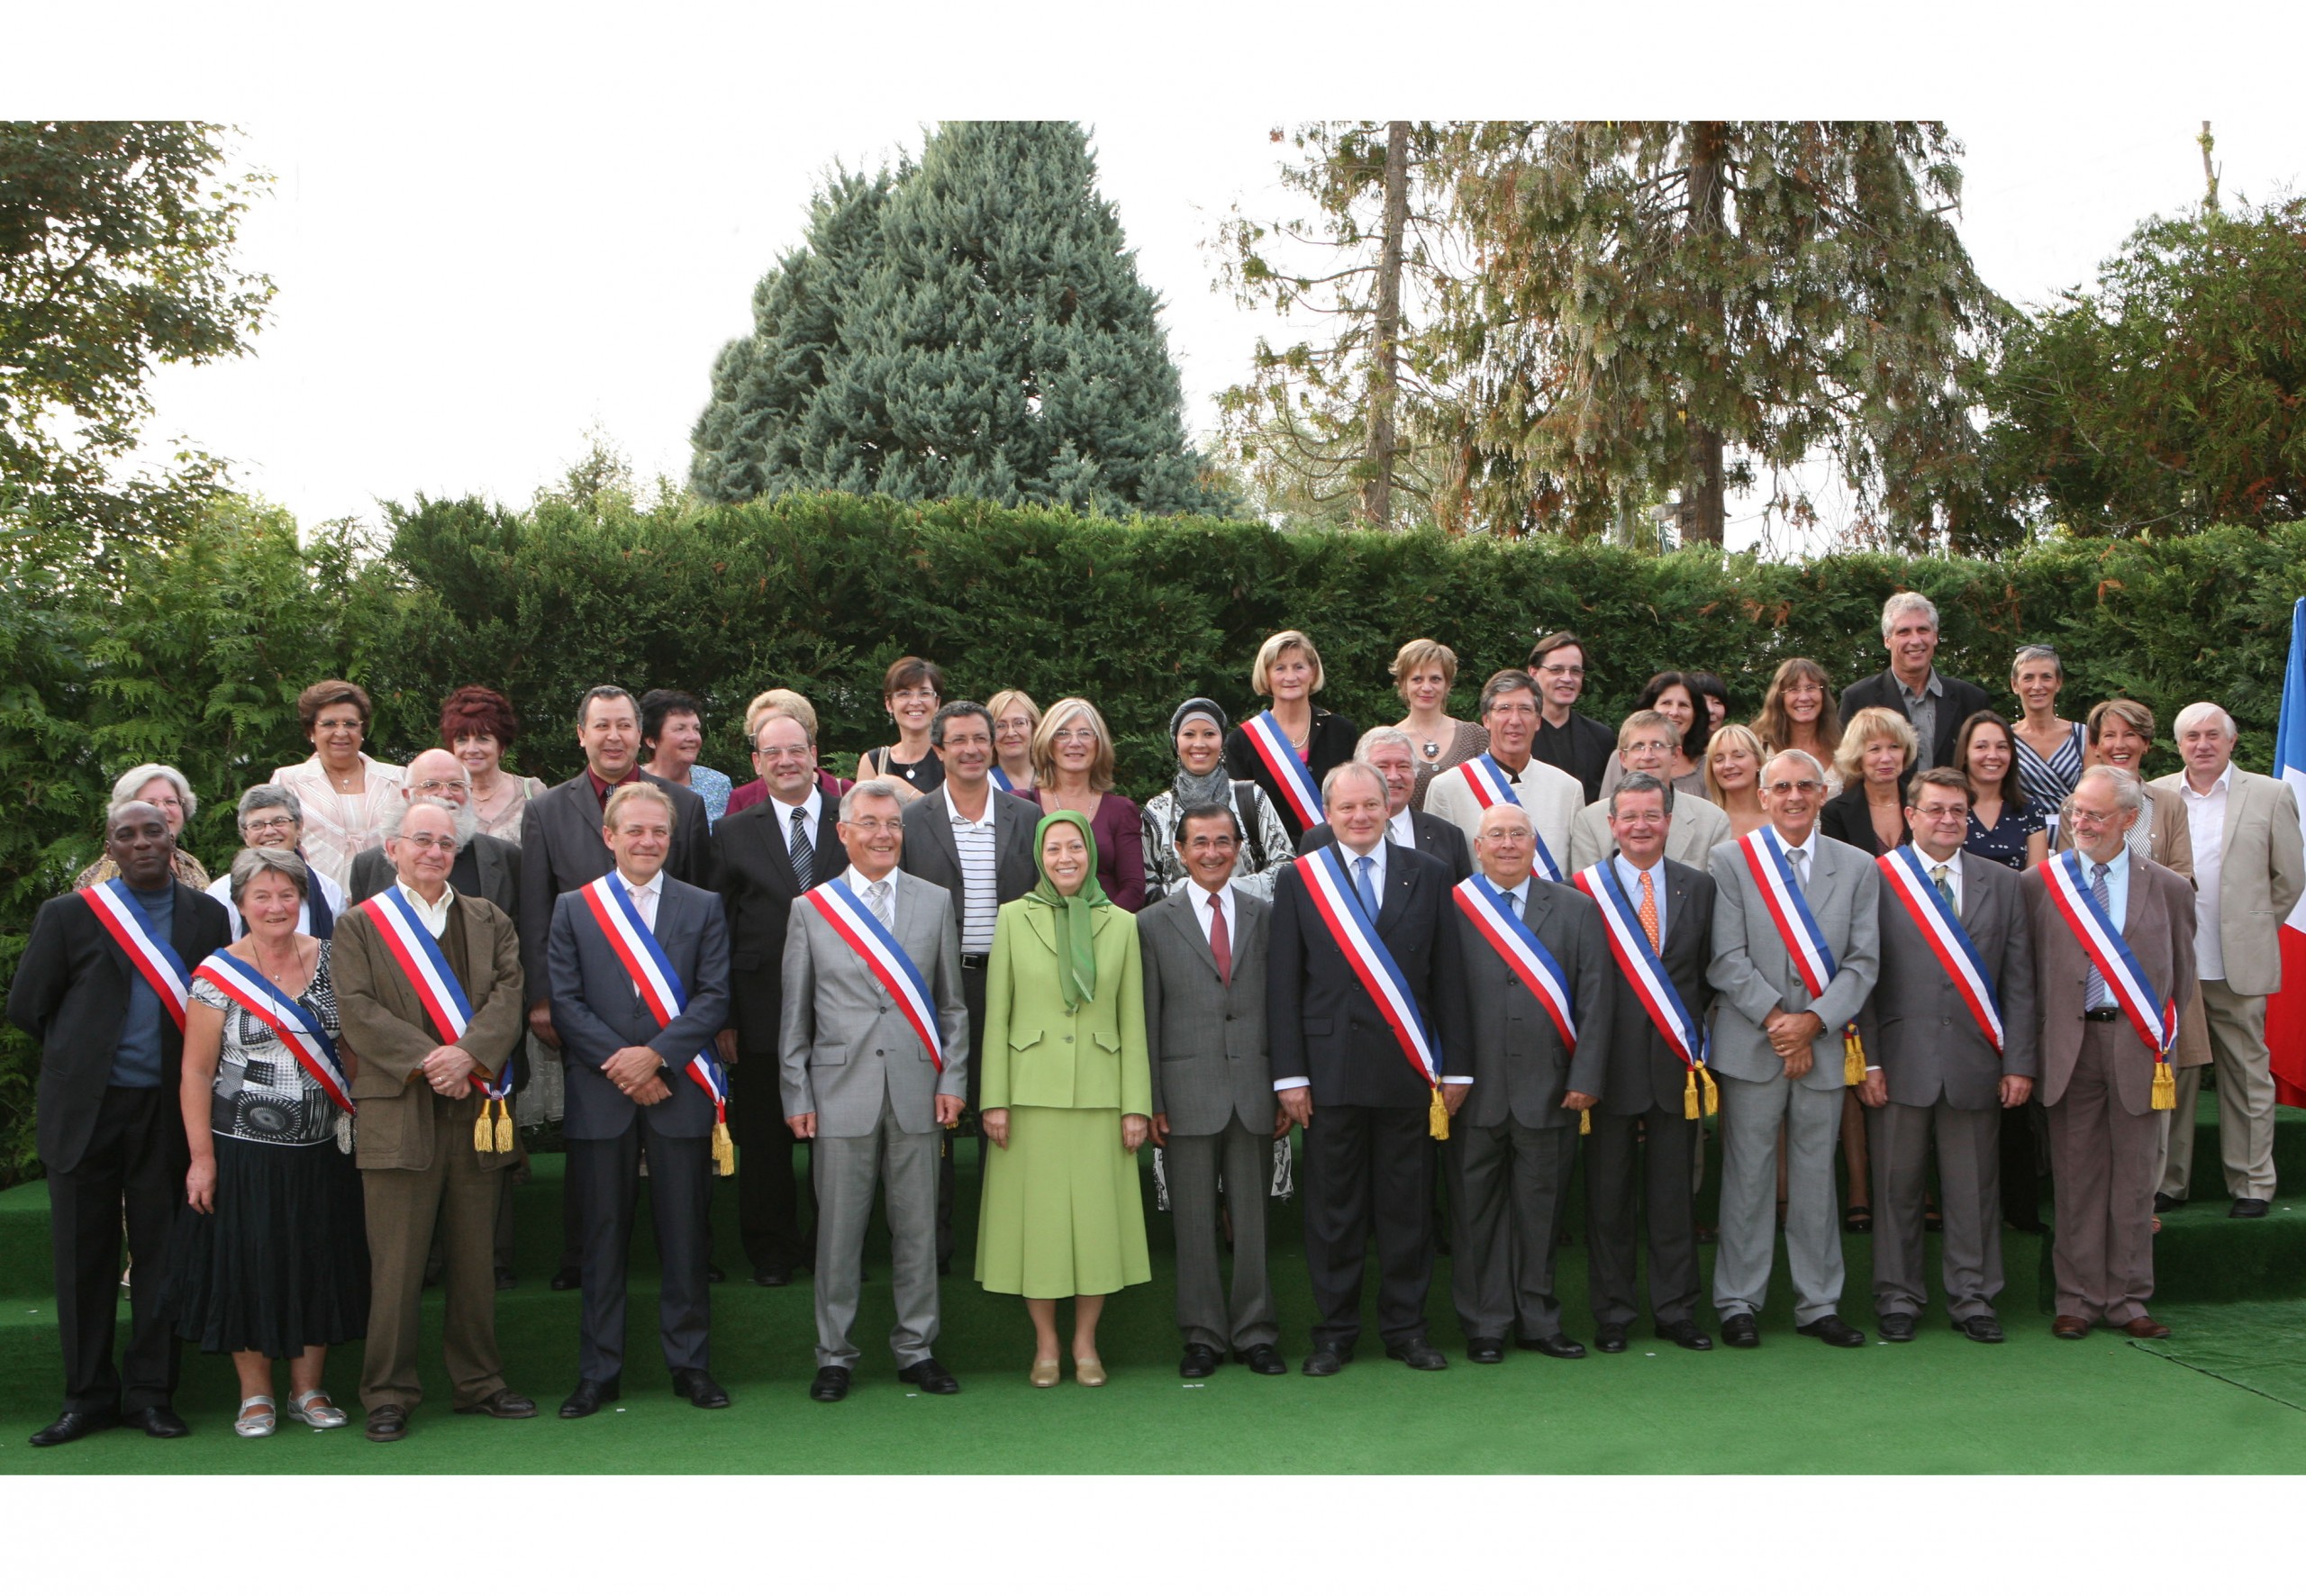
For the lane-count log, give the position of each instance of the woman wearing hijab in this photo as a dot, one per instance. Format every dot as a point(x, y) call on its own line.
point(1198, 731)
point(1066, 1099)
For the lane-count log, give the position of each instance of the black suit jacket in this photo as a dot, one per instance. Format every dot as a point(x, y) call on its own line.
point(752, 870)
point(70, 995)
point(562, 850)
point(1330, 746)
point(1435, 836)
point(1961, 701)
point(1323, 1026)
point(1644, 1076)
point(1589, 745)
point(1845, 817)
point(931, 854)
point(496, 862)
point(596, 1011)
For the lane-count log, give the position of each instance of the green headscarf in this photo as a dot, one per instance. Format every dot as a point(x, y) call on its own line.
point(1077, 916)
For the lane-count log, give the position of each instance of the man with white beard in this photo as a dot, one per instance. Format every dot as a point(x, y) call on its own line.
point(486, 866)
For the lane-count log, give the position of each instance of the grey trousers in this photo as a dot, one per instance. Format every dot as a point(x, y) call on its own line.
point(1204, 1311)
point(1969, 1174)
point(845, 1169)
point(1751, 1113)
point(2103, 1158)
point(1507, 1187)
point(2238, 1047)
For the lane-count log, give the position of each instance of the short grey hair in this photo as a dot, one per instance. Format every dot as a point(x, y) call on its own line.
point(1510, 812)
point(1904, 602)
point(1383, 736)
point(2130, 793)
point(2034, 651)
point(253, 862)
point(876, 788)
point(269, 795)
point(1808, 759)
point(1641, 781)
point(463, 817)
point(136, 780)
point(1352, 767)
point(2188, 717)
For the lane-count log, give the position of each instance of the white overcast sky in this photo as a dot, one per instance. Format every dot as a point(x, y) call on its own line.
point(494, 230)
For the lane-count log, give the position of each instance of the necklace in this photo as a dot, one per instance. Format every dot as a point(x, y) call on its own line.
point(1432, 752)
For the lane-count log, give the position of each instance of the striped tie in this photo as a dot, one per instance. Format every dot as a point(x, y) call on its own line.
point(804, 852)
point(2095, 994)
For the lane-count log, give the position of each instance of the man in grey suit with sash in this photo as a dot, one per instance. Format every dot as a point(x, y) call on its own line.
point(861, 1085)
point(1933, 1072)
point(631, 1093)
point(1515, 1139)
point(1778, 1051)
point(1214, 1111)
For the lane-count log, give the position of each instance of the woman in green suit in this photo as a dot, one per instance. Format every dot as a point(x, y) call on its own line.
point(1067, 1100)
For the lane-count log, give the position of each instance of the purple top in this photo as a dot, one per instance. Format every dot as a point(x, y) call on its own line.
point(1118, 832)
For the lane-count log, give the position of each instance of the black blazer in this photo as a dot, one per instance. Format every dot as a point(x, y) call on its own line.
point(1845, 817)
point(1330, 746)
point(1960, 701)
point(752, 870)
point(562, 850)
point(596, 1010)
point(70, 995)
point(1434, 834)
point(1644, 1078)
point(1323, 1026)
point(497, 862)
point(931, 854)
point(1590, 746)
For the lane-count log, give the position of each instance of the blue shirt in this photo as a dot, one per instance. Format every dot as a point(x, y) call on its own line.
point(1629, 878)
point(136, 1062)
point(2117, 884)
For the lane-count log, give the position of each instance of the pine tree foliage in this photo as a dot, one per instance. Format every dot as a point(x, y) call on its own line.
point(972, 325)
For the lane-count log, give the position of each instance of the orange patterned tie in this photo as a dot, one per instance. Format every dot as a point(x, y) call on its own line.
point(1649, 912)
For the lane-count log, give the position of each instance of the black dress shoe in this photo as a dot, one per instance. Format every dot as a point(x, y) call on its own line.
point(773, 1275)
point(505, 1280)
point(714, 1275)
point(830, 1385)
point(160, 1422)
point(1327, 1357)
point(702, 1389)
point(569, 1279)
point(1610, 1338)
point(1263, 1359)
point(1419, 1353)
point(1200, 1361)
point(1683, 1333)
point(1740, 1331)
point(2248, 1208)
point(1897, 1327)
point(1554, 1346)
point(587, 1398)
point(2163, 1202)
point(1485, 1349)
point(1833, 1331)
point(388, 1421)
point(504, 1403)
point(933, 1378)
point(1983, 1327)
point(73, 1423)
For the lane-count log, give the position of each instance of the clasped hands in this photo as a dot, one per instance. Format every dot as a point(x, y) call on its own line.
point(633, 1071)
point(1790, 1037)
point(949, 1114)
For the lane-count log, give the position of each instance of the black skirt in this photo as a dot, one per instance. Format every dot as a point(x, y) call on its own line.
point(283, 1263)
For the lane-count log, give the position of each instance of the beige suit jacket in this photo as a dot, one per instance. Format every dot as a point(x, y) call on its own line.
point(2261, 873)
point(1695, 830)
point(1551, 797)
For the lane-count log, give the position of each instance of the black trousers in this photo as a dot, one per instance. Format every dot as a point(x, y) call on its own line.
point(972, 994)
point(606, 1174)
point(769, 1204)
point(1368, 1169)
point(136, 1154)
point(2024, 1134)
point(1661, 1199)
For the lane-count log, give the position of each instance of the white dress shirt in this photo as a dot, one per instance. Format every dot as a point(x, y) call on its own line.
point(2206, 819)
point(864, 889)
point(433, 917)
point(1808, 847)
point(1202, 912)
point(811, 818)
point(644, 898)
point(1401, 830)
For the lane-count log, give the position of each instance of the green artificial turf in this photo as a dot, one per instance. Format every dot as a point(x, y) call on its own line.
point(2257, 1347)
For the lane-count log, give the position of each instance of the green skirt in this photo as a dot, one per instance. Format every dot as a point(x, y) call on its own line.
point(1064, 1215)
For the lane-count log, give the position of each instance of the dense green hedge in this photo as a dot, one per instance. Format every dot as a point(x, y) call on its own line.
point(199, 659)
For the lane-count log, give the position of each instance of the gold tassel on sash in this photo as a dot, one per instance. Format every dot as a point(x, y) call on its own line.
point(1437, 1118)
point(1689, 1093)
point(2165, 1085)
point(1585, 1121)
point(482, 1140)
point(1853, 1058)
point(1712, 1092)
point(724, 1151)
point(503, 1125)
point(1696, 1077)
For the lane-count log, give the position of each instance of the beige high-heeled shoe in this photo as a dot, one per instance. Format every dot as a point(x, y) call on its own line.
point(1045, 1373)
point(1089, 1371)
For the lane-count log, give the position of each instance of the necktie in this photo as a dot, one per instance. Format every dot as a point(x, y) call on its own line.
point(1649, 912)
point(879, 893)
point(1944, 887)
point(1220, 942)
point(1798, 857)
point(803, 851)
point(2094, 993)
point(1361, 884)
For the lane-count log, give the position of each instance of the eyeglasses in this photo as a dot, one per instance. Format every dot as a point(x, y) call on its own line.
point(424, 842)
point(1649, 748)
point(1561, 670)
point(2098, 816)
point(440, 785)
point(1780, 789)
point(1941, 812)
point(256, 825)
point(799, 750)
point(1074, 734)
point(869, 823)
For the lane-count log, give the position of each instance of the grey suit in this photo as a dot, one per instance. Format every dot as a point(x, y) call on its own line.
point(850, 1056)
point(1944, 1079)
point(1511, 1145)
point(1754, 973)
point(1212, 1078)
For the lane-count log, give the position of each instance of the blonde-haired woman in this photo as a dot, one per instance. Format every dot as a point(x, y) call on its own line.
point(1734, 757)
point(1287, 671)
point(1876, 754)
point(1424, 673)
point(1015, 718)
point(1799, 712)
point(1073, 769)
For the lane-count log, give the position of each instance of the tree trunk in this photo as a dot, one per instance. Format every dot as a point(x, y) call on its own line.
point(1379, 445)
point(1703, 518)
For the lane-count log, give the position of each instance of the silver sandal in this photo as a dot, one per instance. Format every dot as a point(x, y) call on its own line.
point(263, 1424)
point(314, 1409)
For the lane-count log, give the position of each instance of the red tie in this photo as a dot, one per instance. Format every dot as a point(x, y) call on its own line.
point(1220, 944)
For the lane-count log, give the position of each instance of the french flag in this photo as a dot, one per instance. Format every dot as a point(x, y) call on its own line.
point(2286, 1009)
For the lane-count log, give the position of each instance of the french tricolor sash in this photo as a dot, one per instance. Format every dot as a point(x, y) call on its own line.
point(1908, 878)
point(1644, 972)
point(298, 1030)
point(418, 953)
point(1279, 756)
point(1522, 952)
point(873, 942)
point(1340, 909)
point(1805, 944)
point(1487, 780)
point(659, 986)
point(122, 917)
point(2155, 1020)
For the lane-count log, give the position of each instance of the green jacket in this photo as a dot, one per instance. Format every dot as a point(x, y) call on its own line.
point(1036, 1055)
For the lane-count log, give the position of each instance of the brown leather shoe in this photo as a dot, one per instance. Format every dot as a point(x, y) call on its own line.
point(2146, 1330)
point(504, 1403)
point(2065, 1327)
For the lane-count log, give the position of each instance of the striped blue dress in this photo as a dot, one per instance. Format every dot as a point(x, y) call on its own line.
point(2049, 781)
